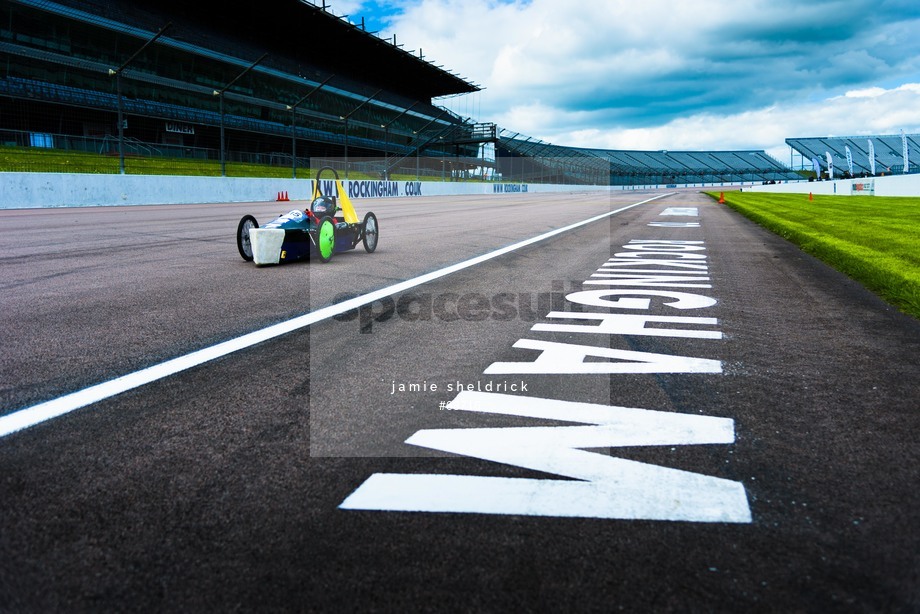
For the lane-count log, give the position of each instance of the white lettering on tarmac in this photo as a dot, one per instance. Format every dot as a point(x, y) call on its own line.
point(677, 264)
point(659, 245)
point(669, 254)
point(682, 300)
point(623, 324)
point(558, 358)
point(607, 487)
point(688, 211)
point(674, 224)
point(634, 279)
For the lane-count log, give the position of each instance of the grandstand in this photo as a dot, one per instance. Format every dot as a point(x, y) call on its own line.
point(681, 167)
point(888, 151)
point(180, 79)
point(284, 81)
point(529, 159)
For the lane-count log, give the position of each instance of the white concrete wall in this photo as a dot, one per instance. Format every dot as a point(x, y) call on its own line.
point(890, 185)
point(36, 190)
point(32, 190)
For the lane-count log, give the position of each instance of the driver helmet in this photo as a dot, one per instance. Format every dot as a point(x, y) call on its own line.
point(323, 205)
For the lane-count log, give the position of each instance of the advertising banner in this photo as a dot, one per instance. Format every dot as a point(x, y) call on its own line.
point(865, 187)
point(871, 157)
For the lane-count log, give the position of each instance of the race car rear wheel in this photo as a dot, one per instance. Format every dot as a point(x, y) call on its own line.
point(370, 231)
point(325, 239)
point(242, 236)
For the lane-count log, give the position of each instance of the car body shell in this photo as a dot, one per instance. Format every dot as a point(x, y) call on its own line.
point(328, 226)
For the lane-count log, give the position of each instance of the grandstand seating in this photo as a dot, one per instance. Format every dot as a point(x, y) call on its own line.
point(888, 152)
point(66, 63)
point(640, 167)
point(631, 167)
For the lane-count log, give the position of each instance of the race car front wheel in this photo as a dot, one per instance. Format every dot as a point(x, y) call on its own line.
point(242, 236)
point(325, 239)
point(371, 232)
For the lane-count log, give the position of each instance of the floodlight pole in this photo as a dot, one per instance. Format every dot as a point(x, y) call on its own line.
point(220, 94)
point(121, 105)
point(293, 110)
point(345, 117)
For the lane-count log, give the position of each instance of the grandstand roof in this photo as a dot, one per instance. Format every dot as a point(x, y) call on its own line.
point(314, 36)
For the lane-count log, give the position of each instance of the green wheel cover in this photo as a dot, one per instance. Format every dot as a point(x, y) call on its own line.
point(326, 240)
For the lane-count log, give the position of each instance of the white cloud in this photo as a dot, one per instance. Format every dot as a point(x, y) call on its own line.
point(869, 92)
point(658, 74)
point(881, 112)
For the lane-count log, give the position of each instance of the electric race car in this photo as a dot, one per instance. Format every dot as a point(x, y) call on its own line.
point(317, 231)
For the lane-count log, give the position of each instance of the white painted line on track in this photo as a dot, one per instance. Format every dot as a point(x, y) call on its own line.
point(36, 414)
point(688, 211)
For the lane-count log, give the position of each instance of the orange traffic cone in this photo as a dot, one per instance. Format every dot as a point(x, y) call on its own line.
point(286, 196)
point(722, 198)
point(810, 197)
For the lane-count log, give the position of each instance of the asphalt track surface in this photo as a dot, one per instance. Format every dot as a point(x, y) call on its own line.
point(223, 487)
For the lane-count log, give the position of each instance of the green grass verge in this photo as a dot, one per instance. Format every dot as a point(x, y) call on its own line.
point(874, 240)
point(37, 160)
point(27, 159)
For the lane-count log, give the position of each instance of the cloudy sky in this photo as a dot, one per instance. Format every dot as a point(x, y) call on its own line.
point(670, 74)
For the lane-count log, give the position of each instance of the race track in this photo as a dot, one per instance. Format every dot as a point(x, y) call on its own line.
point(664, 408)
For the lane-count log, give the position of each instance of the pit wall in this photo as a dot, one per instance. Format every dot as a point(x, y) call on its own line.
point(37, 190)
point(892, 185)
